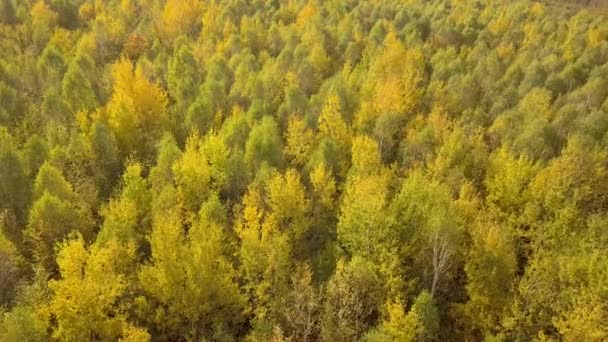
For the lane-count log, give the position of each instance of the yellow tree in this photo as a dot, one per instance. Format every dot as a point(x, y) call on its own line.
point(190, 282)
point(300, 140)
point(137, 109)
point(366, 158)
point(86, 300)
point(192, 175)
point(323, 219)
point(364, 227)
point(335, 134)
point(43, 22)
point(491, 269)
point(265, 259)
point(180, 17)
point(585, 321)
point(324, 186)
point(395, 82)
point(331, 122)
point(286, 197)
point(507, 180)
point(421, 323)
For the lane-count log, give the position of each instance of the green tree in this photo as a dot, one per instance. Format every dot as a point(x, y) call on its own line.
point(363, 226)
point(34, 152)
point(127, 218)
point(167, 154)
point(77, 90)
point(264, 144)
point(15, 188)
point(56, 212)
point(106, 155)
point(11, 265)
point(183, 76)
point(428, 220)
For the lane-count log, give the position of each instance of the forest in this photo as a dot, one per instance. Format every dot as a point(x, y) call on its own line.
point(303, 170)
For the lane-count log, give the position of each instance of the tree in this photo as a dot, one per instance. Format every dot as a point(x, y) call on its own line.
point(290, 205)
point(10, 270)
point(49, 179)
point(127, 218)
point(86, 11)
point(180, 17)
point(568, 189)
point(218, 155)
point(106, 156)
point(491, 268)
point(324, 219)
point(7, 12)
point(303, 306)
point(264, 144)
point(137, 109)
point(561, 294)
point(419, 324)
point(77, 90)
point(15, 189)
point(507, 179)
point(353, 298)
point(192, 175)
point(51, 63)
point(331, 123)
point(135, 46)
point(56, 212)
point(201, 113)
point(395, 82)
point(324, 186)
point(584, 321)
point(526, 130)
point(34, 152)
point(10, 103)
point(429, 221)
point(265, 259)
point(183, 76)
point(67, 11)
point(86, 301)
point(190, 280)
point(366, 157)
point(43, 21)
point(168, 153)
point(300, 140)
point(363, 227)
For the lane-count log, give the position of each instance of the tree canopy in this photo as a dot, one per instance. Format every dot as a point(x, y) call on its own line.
point(303, 170)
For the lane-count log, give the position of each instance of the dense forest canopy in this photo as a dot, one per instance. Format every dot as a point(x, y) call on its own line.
point(293, 170)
